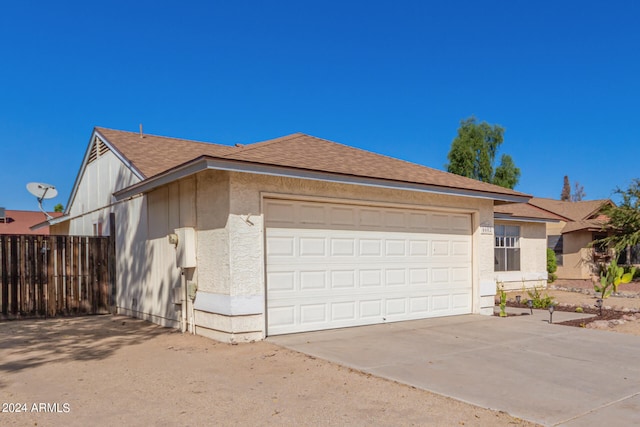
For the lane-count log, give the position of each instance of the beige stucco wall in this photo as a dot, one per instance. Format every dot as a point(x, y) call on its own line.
point(231, 278)
point(555, 228)
point(577, 256)
point(533, 258)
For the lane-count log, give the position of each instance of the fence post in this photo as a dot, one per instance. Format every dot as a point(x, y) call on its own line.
point(111, 263)
point(4, 263)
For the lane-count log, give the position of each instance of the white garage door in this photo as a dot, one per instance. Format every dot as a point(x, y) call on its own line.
point(338, 265)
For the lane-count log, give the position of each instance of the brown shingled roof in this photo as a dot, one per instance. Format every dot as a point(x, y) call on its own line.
point(589, 225)
point(575, 211)
point(152, 155)
point(526, 210)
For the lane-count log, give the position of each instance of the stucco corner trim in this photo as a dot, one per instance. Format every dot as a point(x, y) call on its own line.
point(228, 305)
point(487, 288)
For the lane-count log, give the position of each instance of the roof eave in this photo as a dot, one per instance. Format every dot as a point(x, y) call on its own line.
point(205, 162)
point(508, 217)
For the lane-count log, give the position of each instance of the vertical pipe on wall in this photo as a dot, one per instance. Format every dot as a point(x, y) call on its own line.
point(184, 299)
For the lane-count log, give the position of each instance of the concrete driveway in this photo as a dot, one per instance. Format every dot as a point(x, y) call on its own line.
point(541, 372)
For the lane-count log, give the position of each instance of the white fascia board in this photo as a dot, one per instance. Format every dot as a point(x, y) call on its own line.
point(85, 161)
point(204, 163)
point(120, 157)
point(52, 221)
point(502, 217)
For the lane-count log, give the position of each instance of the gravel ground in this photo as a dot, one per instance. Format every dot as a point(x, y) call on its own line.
point(112, 370)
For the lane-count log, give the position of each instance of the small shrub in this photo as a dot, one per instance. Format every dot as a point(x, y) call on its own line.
point(539, 301)
point(552, 265)
point(579, 310)
point(503, 300)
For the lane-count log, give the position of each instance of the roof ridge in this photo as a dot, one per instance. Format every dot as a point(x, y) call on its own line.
point(569, 201)
point(547, 210)
point(260, 144)
point(98, 128)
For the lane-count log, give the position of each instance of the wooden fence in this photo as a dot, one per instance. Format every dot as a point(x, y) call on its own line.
point(55, 275)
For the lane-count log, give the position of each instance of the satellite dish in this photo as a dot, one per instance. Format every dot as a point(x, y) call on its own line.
point(42, 191)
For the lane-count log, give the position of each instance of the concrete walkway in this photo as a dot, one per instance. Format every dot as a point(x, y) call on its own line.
point(550, 374)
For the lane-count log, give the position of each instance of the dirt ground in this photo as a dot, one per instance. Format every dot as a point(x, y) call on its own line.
point(113, 370)
point(116, 370)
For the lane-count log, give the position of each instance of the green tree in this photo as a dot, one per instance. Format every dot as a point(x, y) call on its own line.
point(58, 208)
point(473, 154)
point(624, 219)
point(565, 196)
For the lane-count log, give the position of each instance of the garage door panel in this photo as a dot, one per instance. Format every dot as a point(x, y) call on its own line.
point(364, 265)
point(312, 214)
point(418, 276)
point(370, 278)
point(282, 317)
point(342, 216)
point(313, 280)
point(341, 311)
point(419, 221)
point(439, 275)
point(313, 313)
point(343, 246)
point(281, 281)
point(461, 300)
point(343, 279)
point(281, 246)
point(370, 247)
point(440, 248)
point(281, 213)
point(460, 275)
point(460, 248)
point(460, 224)
point(395, 220)
point(441, 302)
point(418, 248)
point(440, 222)
point(419, 306)
point(371, 218)
point(371, 309)
point(396, 306)
point(395, 247)
point(312, 246)
point(396, 277)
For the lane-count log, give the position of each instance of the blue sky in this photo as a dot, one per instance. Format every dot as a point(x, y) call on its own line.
point(393, 77)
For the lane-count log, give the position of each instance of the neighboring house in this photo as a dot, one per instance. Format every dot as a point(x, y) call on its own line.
point(292, 234)
point(571, 238)
point(520, 249)
point(19, 222)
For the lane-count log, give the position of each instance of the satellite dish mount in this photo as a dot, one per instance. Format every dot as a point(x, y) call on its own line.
point(42, 192)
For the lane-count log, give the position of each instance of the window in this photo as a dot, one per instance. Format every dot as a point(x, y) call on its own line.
point(507, 248)
point(556, 243)
point(97, 229)
point(600, 248)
